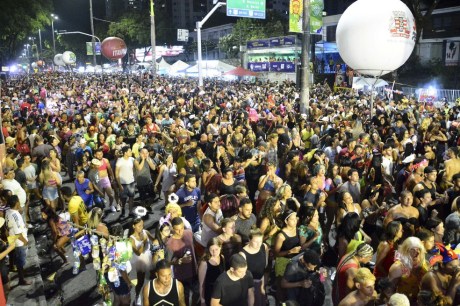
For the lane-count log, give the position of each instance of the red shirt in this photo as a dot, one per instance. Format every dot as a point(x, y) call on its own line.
point(2, 294)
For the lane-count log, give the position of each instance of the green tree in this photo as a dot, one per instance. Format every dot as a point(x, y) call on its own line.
point(133, 28)
point(248, 29)
point(19, 18)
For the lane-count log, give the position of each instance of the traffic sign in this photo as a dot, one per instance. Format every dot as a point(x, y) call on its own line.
point(246, 8)
point(182, 35)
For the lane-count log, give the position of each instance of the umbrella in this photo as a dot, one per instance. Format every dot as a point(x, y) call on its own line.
point(240, 72)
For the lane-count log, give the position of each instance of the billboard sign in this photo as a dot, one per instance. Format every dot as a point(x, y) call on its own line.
point(246, 8)
point(89, 48)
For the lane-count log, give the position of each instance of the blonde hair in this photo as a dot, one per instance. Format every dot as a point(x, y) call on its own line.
point(363, 275)
point(173, 206)
point(404, 252)
point(398, 299)
point(94, 217)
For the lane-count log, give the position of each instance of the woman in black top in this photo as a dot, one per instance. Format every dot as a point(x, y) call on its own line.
point(212, 265)
point(256, 255)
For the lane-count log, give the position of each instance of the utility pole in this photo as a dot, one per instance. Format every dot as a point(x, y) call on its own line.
point(92, 31)
point(305, 62)
point(40, 39)
point(153, 38)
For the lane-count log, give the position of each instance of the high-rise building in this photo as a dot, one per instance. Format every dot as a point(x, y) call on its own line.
point(185, 13)
point(279, 6)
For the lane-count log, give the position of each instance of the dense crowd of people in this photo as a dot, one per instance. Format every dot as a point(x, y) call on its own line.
point(258, 198)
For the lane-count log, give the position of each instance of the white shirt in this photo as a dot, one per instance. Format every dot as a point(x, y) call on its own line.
point(126, 171)
point(16, 189)
point(16, 225)
point(30, 173)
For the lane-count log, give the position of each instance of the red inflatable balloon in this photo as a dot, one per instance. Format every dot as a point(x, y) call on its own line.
point(113, 48)
point(40, 63)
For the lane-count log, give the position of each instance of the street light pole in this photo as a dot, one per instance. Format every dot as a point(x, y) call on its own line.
point(199, 24)
point(305, 62)
point(92, 31)
point(40, 39)
point(52, 29)
point(153, 39)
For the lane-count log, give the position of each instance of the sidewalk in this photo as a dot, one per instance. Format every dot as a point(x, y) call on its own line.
point(32, 295)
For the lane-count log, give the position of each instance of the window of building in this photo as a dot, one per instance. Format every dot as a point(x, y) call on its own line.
point(330, 33)
point(443, 25)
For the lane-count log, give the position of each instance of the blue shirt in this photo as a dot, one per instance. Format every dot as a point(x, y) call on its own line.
point(190, 212)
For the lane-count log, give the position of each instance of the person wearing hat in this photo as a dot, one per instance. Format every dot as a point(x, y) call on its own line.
point(446, 278)
point(301, 279)
point(5, 249)
point(404, 173)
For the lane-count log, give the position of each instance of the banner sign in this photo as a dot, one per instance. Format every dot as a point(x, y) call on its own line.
point(260, 66)
point(282, 67)
point(272, 42)
point(428, 95)
point(89, 48)
point(296, 16)
point(282, 41)
point(260, 43)
point(452, 53)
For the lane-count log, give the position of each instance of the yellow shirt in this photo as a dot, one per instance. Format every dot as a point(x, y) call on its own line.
point(77, 206)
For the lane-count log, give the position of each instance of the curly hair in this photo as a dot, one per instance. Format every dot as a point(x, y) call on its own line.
point(267, 210)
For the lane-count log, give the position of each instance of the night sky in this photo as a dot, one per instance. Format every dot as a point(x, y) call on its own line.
point(74, 14)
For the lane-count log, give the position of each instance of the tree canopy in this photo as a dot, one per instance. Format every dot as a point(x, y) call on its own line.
point(19, 18)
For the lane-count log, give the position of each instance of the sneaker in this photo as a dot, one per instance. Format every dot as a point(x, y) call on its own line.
point(118, 207)
point(113, 209)
point(139, 301)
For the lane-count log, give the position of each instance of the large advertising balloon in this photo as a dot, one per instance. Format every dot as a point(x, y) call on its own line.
point(69, 58)
point(113, 48)
point(375, 37)
point(58, 60)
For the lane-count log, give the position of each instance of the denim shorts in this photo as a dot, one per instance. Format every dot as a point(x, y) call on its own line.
point(50, 193)
point(128, 191)
point(20, 254)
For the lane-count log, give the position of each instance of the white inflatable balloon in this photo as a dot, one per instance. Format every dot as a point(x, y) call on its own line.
point(34, 65)
point(69, 58)
point(58, 60)
point(375, 37)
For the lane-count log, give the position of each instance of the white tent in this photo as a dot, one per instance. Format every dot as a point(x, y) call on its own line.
point(178, 66)
point(361, 82)
point(211, 68)
point(163, 67)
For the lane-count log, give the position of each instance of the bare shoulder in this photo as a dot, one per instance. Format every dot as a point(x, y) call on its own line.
point(350, 300)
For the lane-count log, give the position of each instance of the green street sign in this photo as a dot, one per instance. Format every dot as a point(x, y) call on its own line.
point(246, 8)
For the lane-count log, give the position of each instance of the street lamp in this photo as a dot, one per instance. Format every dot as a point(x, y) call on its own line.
point(53, 17)
point(92, 32)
